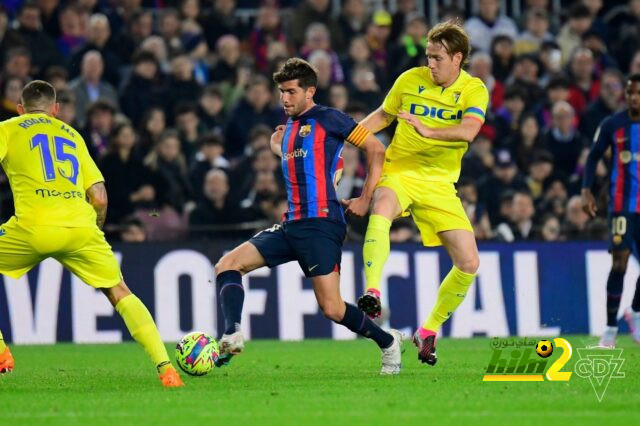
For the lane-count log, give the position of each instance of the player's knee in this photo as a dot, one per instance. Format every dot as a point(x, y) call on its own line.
point(333, 310)
point(619, 262)
point(470, 265)
point(229, 262)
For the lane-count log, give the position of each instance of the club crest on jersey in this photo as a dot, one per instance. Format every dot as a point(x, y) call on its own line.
point(625, 156)
point(456, 97)
point(305, 130)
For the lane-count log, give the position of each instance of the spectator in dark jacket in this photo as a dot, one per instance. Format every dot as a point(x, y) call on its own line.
point(144, 89)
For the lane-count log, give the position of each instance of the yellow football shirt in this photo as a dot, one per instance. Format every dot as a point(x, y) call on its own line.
point(49, 169)
point(415, 92)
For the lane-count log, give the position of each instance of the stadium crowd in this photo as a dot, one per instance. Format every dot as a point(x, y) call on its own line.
point(175, 101)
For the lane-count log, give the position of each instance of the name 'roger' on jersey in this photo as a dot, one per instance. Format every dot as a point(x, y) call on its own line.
point(311, 154)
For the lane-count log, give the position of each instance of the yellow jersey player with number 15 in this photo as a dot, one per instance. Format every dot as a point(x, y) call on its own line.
point(440, 109)
point(52, 177)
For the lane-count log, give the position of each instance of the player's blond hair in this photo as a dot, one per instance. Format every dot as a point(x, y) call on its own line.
point(452, 37)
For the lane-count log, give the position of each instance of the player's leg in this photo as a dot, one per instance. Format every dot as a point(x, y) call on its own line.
point(376, 247)
point(615, 282)
point(327, 291)
point(89, 256)
point(632, 313)
point(266, 248)
point(229, 270)
point(461, 246)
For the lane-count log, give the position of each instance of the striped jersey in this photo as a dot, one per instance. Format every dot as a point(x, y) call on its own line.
point(622, 134)
point(311, 156)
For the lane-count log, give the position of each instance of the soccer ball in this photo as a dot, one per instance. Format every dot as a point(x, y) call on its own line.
point(196, 353)
point(544, 348)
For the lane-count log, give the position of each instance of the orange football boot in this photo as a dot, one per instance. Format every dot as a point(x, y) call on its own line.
point(171, 379)
point(6, 361)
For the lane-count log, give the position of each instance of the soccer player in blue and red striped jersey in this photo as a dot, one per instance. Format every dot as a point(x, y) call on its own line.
point(314, 226)
point(621, 133)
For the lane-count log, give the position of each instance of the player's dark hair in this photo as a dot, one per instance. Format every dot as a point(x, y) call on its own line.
point(297, 69)
point(635, 78)
point(452, 37)
point(37, 93)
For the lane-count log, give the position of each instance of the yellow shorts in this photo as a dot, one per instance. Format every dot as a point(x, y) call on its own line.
point(435, 206)
point(83, 251)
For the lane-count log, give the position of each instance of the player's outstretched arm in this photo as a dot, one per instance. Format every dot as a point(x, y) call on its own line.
point(467, 130)
point(377, 120)
point(97, 194)
point(276, 140)
point(374, 151)
point(602, 139)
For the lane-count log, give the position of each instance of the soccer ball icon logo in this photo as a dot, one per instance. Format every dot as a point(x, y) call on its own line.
point(544, 348)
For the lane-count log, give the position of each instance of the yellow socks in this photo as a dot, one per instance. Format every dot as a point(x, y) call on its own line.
point(375, 250)
point(2, 344)
point(142, 328)
point(450, 295)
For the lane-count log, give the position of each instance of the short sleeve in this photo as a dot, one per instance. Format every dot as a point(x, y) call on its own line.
point(476, 99)
point(3, 143)
point(90, 172)
point(341, 124)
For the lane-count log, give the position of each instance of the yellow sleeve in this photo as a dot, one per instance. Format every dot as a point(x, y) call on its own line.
point(476, 101)
point(358, 135)
point(90, 172)
point(393, 101)
point(3, 143)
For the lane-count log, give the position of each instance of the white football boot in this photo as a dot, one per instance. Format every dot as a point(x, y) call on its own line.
point(230, 345)
point(608, 339)
point(392, 356)
point(633, 320)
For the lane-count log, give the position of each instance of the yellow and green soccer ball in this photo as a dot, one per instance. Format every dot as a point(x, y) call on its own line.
point(544, 348)
point(197, 353)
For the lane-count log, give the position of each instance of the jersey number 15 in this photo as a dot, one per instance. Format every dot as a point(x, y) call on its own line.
point(42, 140)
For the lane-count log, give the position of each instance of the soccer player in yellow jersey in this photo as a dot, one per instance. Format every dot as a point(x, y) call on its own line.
point(52, 177)
point(440, 110)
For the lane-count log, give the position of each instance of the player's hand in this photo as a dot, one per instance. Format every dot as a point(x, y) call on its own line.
point(412, 120)
point(589, 203)
point(357, 206)
point(276, 137)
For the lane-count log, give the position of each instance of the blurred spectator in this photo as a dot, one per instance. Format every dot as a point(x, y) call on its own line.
point(354, 18)
point(365, 88)
point(210, 109)
point(230, 73)
point(359, 53)
point(267, 31)
point(540, 168)
point(98, 39)
point(317, 38)
point(10, 90)
point(557, 90)
point(586, 85)
point(555, 196)
point(480, 66)
point(50, 16)
point(478, 161)
point(144, 89)
point(89, 87)
point(575, 220)
point(377, 36)
point(139, 27)
point(189, 128)
point(261, 160)
point(264, 189)
point(221, 20)
point(625, 25)
point(611, 99)
point(477, 214)
point(520, 225)
point(182, 84)
point(210, 156)
point(58, 77)
point(9, 37)
point(570, 36)
point(596, 44)
point(353, 174)
point(67, 111)
point(505, 177)
point(215, 209)
point(488, 24)
point(563, 140)
point(536, 32)
point(549, 229)
point(133, 231)
point(338, 97)
point(169, 165)
point(169, 30)
point(254, 109)
point(551, 59)
point(100, 125)
point(41, 45)
point(526, 141)
point(309, 12)
point(18, 63)
point(151, 126)
point(405, 12)
point(321, 62)
point(526, 73)
point(129, 182)
point(508, 116)
point(71, 28)
point(409, 51)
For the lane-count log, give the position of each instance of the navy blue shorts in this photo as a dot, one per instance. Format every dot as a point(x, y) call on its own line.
point(624, 231)
point(315, 243)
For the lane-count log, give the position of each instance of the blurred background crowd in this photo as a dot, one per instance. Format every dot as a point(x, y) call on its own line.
point(176, 103)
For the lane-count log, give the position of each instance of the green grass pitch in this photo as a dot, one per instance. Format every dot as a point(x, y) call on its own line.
point(316, 382)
